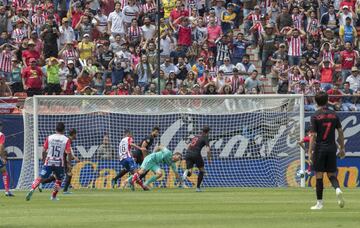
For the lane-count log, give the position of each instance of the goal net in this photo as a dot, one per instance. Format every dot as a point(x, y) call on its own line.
point(253, 138)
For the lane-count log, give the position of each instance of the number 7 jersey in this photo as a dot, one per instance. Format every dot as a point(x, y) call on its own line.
point(56, 145)
point(324, 122)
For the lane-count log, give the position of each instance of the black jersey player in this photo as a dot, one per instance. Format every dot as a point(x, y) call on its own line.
point(324, 123)
point(193, 155)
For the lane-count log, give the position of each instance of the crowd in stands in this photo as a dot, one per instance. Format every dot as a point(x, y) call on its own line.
point(86, 47)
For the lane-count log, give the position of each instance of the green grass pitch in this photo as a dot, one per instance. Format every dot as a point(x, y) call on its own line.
point(216, 207)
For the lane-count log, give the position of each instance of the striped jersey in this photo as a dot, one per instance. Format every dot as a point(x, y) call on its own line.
point(5, 61)
point(295, 46)
point(56, 145)
point(125, 148)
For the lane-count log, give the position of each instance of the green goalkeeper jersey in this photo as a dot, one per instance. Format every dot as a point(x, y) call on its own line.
point(164, 156)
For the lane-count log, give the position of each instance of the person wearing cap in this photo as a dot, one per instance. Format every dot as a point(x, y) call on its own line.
point(227, 67)
point(52, 74)
point(228, 18)
point(330, 19)
point(16, 82)
point(345, 13)
point(49, 34)
point(347, 4)
point(267, 44)
point(67, 33)
point(354, 79)
point(68, 52)
point(182, 25)
point(32, 78)
point(348, 33)
point(30, 53)
point(86, 48)
point(280, 54)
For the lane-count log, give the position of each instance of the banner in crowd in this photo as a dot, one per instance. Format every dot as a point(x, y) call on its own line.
point(98, 171)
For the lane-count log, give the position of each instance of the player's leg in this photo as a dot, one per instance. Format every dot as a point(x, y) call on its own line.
point(59, 174)
point(67, 182)
point(117, 177)
point(158, 174)
point(45, 172)
point(189, 165)
point(200, 164)
point(46, 181)
point(319, 168)
point(136, 178)
point(331, 173)
point(5, 177)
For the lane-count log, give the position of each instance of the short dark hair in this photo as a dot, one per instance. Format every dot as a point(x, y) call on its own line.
point(72, 132)
point(346, 83)
point(321, 98)
point(60, 127)
point(206, 129)
point(156, 128)
point(127, 132)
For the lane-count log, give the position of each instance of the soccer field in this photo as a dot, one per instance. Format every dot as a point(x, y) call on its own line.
point(216, 207)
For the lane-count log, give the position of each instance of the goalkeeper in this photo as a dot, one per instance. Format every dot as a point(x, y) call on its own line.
point(153, 161)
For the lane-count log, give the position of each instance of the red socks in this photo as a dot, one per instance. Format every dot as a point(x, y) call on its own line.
point(36, 183)
point(57, 187)
point(6, 181)
point(137, 180)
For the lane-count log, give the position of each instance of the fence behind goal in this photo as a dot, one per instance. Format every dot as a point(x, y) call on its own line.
point(253, 138)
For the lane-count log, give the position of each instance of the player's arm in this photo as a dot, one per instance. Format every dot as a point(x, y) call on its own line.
point(67, 155)
point(311, 145)
point(301, 144)
point(341, 142)
point(45, 149)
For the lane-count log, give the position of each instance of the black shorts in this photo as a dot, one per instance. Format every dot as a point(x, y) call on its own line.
point(192, 159)
point(324, 161)
point(138, 157)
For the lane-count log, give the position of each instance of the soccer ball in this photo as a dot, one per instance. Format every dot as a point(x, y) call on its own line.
point(300, 174)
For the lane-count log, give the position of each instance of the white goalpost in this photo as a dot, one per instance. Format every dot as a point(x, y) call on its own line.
point(253, 138)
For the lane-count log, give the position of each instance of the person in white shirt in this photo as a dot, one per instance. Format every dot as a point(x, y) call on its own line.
point(354, 79)
point(116, 21)
point(130, 12)
point(227, 67)
point(100, 21)
point(67, 33)
point(148, 29)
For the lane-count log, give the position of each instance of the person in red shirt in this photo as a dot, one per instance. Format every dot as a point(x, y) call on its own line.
point(30, 53)
point(327, 71)
point(178, 11)
point(168, 89)
point(122, 89)
point(348, 3)
point(32, 78)
point(184, 32)
point(348, 59)
point(335, 98)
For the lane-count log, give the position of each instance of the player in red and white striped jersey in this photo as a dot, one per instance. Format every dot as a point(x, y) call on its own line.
point(3, 160)
point(126, 159)
point(56, 149)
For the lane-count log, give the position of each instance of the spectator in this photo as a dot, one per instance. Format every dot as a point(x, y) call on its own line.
point(348, 59)
point(49, 34)
point(335, 97)
point(67, 34)
point(354, 79)
point(330, 20)
point(327, 72)
point(227, 67)
point(116, 21)
point(30, 53)
point(168, 89)
point(52, 74)
point(144, 72)
point(348, 32)
point(245, 67)
point(253, 83)
point(347, 103)
point(32, 78)
point(267, 44)
point(15, 81)
point(295, 39)
point(5, 90)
